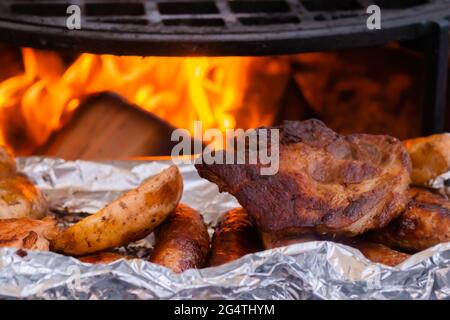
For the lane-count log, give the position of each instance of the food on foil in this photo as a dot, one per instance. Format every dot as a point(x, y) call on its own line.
point(377, 252)
point(103, 257)
point(430, 157)
point(276, 240)
point(373, 251)
point(234, 236)
point(424, 223)
point(350, 189)
point(327, 182)
point(353, 190)
point(25, 233)
point(182, 241)
point(19, 198)
point(131, 217)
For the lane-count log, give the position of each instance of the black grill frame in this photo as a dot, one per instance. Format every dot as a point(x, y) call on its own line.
point(234, 27)
point(156, 27)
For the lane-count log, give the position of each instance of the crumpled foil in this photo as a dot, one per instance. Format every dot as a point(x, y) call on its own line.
point(441, 184)
point(313, 270)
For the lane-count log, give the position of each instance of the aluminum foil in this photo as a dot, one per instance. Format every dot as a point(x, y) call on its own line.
point(313, 270)
point(441, 184)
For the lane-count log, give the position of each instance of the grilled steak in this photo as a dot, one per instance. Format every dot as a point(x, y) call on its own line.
point(326, 182)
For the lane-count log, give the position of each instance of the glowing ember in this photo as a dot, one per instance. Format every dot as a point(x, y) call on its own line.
point(178, 90)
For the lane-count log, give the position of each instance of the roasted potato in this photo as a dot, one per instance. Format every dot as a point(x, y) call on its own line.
point(129, 218)
point(19, 198)
point(430, 157)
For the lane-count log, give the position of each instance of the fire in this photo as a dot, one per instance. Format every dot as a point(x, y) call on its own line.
point(178, 90)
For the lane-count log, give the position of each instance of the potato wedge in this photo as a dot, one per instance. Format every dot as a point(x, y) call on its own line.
point(19, 198)
point(430, 157)
point(129, 218)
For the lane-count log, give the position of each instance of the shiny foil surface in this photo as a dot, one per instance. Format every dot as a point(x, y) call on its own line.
point(313, 270)
point(441, 184)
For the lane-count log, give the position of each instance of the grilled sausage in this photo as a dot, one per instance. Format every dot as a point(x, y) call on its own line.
point(234, 237)
point(182, 241)
point(103, 257)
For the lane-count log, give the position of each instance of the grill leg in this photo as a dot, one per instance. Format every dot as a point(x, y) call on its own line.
point(435, 49)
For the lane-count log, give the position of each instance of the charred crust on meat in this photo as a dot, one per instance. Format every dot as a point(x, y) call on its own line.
point(21, 253)
point(425, 222)
point(330, 182)
point(30, 240)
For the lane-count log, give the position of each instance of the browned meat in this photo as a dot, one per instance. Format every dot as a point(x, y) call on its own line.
point(182, 241)
point(377, 252)
point(425, 223)
point(26, 233)
point(276, 240)
point(327, 182)
point(234, 237)
point(103, 257)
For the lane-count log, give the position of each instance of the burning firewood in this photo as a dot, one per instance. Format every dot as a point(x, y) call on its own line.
point(107, 127)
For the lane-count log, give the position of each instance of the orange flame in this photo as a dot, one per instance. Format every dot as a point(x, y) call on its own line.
point(178, 90)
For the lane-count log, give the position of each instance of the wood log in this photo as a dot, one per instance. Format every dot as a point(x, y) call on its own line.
point(107, 127)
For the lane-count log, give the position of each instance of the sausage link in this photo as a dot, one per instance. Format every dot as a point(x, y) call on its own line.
point(182, 241)
point(234, 237)
point(102, 257)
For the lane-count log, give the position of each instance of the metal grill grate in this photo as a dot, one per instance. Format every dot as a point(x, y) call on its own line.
point(197, 25)
point(232, 15)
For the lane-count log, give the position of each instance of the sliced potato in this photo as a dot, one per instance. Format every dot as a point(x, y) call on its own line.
point(430, 157)
point(129, 218)
point(19, 198)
